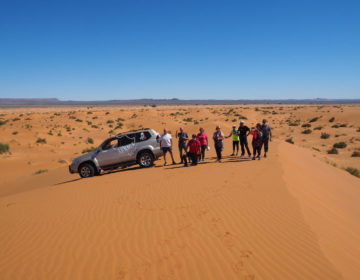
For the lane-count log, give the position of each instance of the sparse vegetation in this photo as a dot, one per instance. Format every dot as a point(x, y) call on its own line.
point(306, 125)
point(306, 131)
point(41, 141)
point(324, 135)
point(335, 126)
point(15, 119)
point(333, 151)
point(78, 120)
point(188, 120)
point(332, 119)
point(340, 145)
point(289, 140)
point(314, 119)
point(90, 140)
point(3, 122)
point(15, 132)
point(40, 171)
point(353, 171)
point(318, 128)
point(4, 148)
point(355, 154)
point(88, 150)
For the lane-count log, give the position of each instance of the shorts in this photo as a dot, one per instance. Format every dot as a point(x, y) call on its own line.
point(166, 149)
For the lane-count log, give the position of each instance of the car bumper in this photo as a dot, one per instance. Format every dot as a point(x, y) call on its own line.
point(71, 170)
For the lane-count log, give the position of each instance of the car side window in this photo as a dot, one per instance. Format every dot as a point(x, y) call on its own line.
point(142, 136)
point(126, 140)
point(111, 143)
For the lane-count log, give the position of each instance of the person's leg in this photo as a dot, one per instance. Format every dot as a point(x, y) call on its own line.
point(202, 154)
point(247, 147)
point(242, 146)
point(220, 150)
point(184, 159)
point(164, 152)
point(181, 153)
point(234, 144)
point(194, 158)
point(259, 150)
point(254, 151)
point(266, 145)
point(172, 156)
point(237, 147)
point(217, 152)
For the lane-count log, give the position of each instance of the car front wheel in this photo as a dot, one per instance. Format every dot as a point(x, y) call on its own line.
point(86, 170)
point(146, 159)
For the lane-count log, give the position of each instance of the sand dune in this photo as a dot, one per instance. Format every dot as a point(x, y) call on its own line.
point(290, 216)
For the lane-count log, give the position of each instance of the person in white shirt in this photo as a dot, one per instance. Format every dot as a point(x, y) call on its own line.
point(166, 145)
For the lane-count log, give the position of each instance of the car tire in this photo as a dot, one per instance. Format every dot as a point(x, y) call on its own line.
point(146, 159)
point(86, 170)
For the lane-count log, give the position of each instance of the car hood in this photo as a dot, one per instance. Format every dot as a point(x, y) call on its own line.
point(85, 157)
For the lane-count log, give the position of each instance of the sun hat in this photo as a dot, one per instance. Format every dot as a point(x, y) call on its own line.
point(234, 125)
point(218, 126)
point(242, 121)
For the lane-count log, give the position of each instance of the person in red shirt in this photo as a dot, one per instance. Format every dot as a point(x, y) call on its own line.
point(193, 147)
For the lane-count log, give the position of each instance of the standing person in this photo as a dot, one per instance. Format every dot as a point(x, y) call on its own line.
point(244, 131)
point(194, 150)
point(266, 131)
point(256, 141)
point(203, 138)
point(166, 145)
point(236, 139)
point(218, 141)
point(183, 137)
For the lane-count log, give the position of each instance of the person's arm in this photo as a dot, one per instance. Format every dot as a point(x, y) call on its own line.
point(176, 134)
point(207, 141)
point(186, 137)
point(270, 134)
point(221, 137)
point(171, 142)
point(229, 135)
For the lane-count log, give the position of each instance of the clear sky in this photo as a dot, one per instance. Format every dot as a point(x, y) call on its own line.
point(225, 49)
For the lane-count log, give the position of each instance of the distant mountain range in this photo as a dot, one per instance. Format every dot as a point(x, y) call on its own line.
point(173, 101)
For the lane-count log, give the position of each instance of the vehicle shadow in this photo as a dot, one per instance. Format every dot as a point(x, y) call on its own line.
point(68, 181)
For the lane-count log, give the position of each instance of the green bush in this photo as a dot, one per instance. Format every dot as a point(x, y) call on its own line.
point(333, 151)
point(335, 126)
point(88, 150)
point(90, 140)
point(4, 148)
point(15, 132)
point(306, 131)
point(110, 121)
point(340, 145)
point(356, 154)
point(343, 125)
point(353, 171)
point(306, 125)
point(41, 141)
point(314, 119)
point(318, 128)
point(2, 122)
point(332, 119)
point(40, 171)
point(289, 140)
point(324, 135)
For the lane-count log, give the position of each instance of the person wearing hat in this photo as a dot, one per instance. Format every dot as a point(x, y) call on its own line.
point(243, 132)
point(267, 135)
point(218, 141)
point(236, 139)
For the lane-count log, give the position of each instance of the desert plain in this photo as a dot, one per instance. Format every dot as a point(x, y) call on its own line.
point(293, 215)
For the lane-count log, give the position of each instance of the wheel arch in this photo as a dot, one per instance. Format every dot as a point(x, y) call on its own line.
point(143, 151)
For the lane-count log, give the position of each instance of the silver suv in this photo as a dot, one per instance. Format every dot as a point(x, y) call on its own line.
point(134, 147)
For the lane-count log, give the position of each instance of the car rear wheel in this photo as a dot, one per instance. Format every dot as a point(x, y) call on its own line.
point(86, 170)
point(146, 159)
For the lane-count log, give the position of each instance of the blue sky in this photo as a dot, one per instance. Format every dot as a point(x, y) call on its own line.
point(97, 50)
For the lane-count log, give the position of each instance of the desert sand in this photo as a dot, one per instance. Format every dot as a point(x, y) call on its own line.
point(293, 215)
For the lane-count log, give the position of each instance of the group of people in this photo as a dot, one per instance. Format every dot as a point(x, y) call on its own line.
point(193, 150)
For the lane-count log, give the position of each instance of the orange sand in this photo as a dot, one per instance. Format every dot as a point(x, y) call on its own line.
point(290, 216)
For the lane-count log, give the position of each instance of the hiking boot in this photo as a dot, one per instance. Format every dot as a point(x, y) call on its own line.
point(259, 157)
point(242, 156)
point(265, 155)
point(253, 158)
point(165, 164)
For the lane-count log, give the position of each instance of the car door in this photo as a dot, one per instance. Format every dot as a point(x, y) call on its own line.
point(109, 153)
point(127, 148)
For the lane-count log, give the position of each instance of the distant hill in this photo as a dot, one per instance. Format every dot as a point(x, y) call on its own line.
point(174, 101)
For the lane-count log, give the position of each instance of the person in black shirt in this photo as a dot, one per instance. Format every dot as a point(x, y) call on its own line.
point(183, 137)
point(243, 132)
